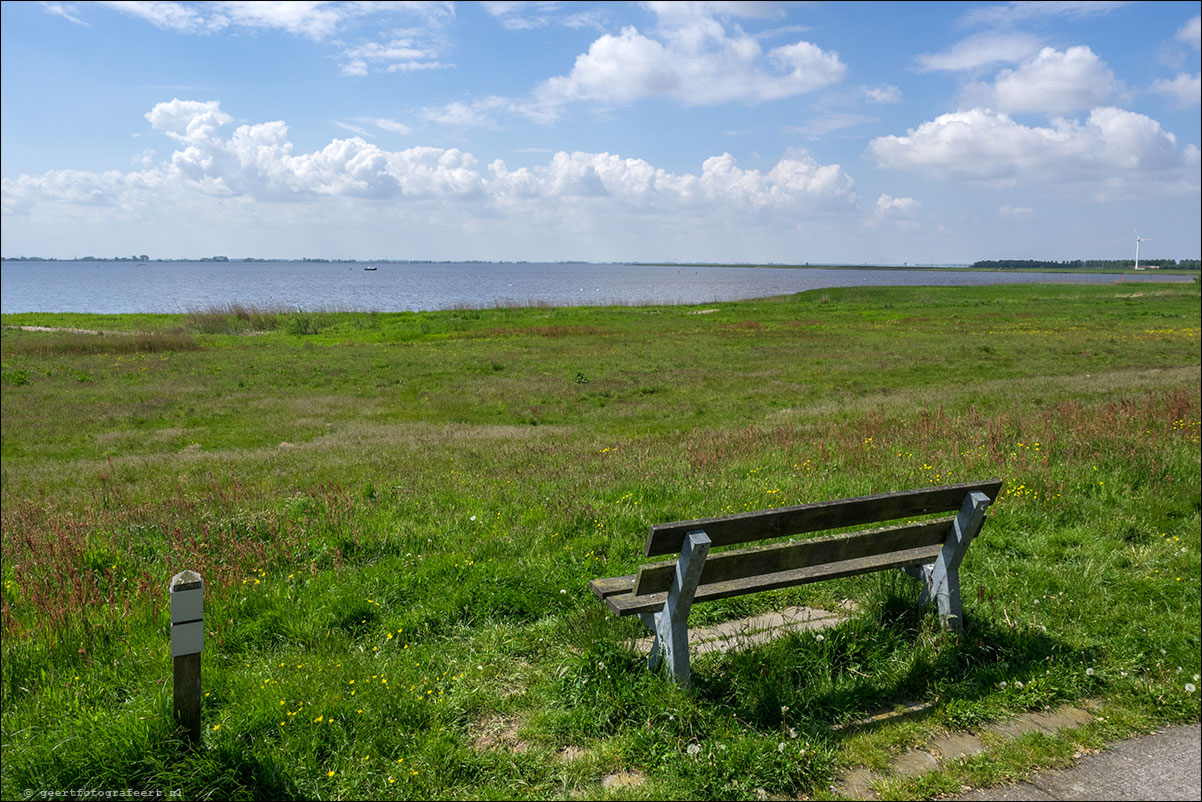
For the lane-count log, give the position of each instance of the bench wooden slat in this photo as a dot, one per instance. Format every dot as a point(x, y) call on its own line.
point(624, 604)
point(745, 527)
point(604, 588)
point(757, 560)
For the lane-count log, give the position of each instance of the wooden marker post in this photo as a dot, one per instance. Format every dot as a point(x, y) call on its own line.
point(187, 642)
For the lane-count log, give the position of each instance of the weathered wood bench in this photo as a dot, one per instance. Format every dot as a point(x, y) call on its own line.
point(661, 594)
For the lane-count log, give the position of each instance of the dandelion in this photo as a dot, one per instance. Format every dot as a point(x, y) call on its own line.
point(330, 773)
point(693, 749)
point(1089, 672)
point(1189, 687)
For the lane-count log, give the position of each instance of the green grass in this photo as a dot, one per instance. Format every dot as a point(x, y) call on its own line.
point(396, 516)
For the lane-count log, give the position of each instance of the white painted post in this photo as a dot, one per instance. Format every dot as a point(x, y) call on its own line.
point(187, 643)
point(672, 623)
point(943, 577)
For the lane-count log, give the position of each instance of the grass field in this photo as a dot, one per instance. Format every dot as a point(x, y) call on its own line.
point(397, 515)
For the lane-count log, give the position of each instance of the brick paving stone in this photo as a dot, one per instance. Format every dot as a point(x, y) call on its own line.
point(954, 745)
point(912, 762)
point(1013, 728)
point(857, 784)
point(1055, 720)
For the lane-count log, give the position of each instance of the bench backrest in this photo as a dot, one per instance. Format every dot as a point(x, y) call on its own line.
point(857, 551)
point(785, 521)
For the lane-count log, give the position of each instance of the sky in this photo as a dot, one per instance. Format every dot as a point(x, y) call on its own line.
point(684, 131)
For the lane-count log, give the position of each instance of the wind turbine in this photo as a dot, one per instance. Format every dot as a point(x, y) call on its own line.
point(1138, 240)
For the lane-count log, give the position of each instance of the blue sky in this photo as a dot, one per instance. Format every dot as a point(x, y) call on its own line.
point(717, 132)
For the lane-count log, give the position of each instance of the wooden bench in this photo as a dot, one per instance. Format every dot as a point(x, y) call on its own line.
point(661, 594)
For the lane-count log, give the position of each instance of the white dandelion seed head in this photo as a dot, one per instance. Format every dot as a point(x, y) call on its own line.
point(1089, 672)
point(693, 749)
point(1189, 687)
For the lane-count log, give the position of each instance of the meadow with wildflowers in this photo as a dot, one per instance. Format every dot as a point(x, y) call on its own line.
point(396, 516)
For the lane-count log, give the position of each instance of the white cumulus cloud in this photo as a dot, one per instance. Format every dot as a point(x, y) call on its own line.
point(885, 93)
point(1053, 82)
point(1115, 150)
point(1191, 33)
point(258, 162)
point(901, 212)
point(1185, 90)
point(694, 58)
point(887, 205)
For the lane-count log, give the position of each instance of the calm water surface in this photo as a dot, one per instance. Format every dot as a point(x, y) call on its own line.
point(120, 287)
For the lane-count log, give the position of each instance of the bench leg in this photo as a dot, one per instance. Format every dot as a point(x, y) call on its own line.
point(656, 658)
point(941, 579)
point(671, 625)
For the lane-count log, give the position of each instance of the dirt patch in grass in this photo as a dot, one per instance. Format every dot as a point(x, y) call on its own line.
point(624, 779)
point(500, 732)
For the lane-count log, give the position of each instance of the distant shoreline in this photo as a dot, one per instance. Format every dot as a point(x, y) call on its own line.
point(891, 267)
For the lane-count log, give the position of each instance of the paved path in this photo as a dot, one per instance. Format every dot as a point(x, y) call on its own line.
point(1164, 765)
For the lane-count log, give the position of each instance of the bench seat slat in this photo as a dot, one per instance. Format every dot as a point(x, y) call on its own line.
point(757, 560)
point(624, 604)
point(784, 521)
point(604, 588)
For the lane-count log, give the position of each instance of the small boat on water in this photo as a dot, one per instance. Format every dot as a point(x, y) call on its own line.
point(372, 267)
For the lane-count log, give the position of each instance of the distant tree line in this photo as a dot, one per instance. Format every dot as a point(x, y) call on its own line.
point(1089, 264)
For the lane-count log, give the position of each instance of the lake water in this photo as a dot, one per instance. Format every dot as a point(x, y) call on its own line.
point(120, 287)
